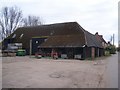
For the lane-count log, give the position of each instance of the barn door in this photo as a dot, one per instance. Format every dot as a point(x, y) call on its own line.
point(70, 53)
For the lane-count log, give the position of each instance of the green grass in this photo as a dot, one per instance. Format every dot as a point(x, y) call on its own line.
point(98, 58)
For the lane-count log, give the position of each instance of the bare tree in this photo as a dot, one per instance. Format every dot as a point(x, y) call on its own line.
point(32, 21)
point(10, 18)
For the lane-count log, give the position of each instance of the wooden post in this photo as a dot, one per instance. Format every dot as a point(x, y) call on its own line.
point(98, 52)
point(93, 52)
point(30, 48)
point(85, 53)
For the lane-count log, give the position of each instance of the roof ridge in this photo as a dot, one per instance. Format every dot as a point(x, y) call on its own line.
point(47, 25)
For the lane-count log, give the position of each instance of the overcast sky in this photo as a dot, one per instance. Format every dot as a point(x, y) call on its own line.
point(93, 15)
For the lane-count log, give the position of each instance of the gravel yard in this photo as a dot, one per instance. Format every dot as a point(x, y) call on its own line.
point(26, 72)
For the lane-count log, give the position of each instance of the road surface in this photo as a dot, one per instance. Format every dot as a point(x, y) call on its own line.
point(34, 73)
point(26, 72)
point(112, 71)
point(119, 70)
point(0, 70)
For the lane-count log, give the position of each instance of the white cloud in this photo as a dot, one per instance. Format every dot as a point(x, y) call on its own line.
point(94, 16)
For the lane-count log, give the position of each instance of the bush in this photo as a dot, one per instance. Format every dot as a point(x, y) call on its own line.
point(111, 49)
point(118, 49)
point(107, 53)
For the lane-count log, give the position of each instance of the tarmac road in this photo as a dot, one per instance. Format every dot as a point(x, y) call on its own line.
point(119, 70)
point(112, 71)
point(0, 70)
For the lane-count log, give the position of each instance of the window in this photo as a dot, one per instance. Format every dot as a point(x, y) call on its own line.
point(45, 40)
point(21, 36)
point(14, 36)
point(52, 33)
point(36, 42)
point(103, 44)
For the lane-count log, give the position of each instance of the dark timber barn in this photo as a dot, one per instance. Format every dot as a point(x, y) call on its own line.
point(68, 39)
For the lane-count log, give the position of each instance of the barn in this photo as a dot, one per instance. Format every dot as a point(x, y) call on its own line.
point(68, 39)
